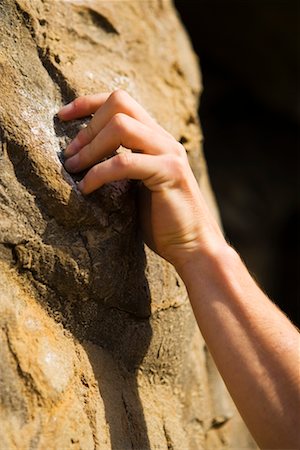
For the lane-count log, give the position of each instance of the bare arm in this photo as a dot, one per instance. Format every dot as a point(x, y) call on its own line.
point(255, 347)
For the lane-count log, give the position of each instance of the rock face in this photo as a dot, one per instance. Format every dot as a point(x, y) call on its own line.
point(98, 345)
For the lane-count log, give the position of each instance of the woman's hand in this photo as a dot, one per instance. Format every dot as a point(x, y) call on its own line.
point(174, 217)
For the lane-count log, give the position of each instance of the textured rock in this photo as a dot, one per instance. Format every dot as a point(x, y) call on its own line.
point(99, 348)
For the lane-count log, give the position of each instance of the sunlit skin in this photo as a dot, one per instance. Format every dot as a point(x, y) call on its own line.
point(256, 348)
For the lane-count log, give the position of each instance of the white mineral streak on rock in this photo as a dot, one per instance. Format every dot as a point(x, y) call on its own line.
point(32, 324)
point(56, 365)
point(122, 82)
point(38, 119)
point(89, 75)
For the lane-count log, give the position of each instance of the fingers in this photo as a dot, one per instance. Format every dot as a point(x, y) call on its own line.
point(128, 132)
point(109, 105)
point(82, 106)
point(136, 166)
point(118, 121)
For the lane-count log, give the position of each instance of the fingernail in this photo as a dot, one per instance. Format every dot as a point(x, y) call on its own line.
point(72, 148)
point(65, 109)
point(72, 164)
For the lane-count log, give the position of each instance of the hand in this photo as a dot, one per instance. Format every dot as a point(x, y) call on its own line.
point(174, 217)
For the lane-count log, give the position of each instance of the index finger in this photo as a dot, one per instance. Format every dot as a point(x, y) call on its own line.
point(82, 106)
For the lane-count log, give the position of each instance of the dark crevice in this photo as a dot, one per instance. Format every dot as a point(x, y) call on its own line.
point(7, 253)
point(50, 206)
point(67, 93)
point(86, 246)
point(219, 422)
point(27, 19)
point(183, 140)
point(100, 21)
point(168, 438)
point(128, 415)
point(191, 120)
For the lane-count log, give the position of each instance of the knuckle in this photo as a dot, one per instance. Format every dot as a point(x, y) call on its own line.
point(79, 103)
point(82, 136)
point(119, 98)
point(123, 160)
point(180, 149)
point(177, 166)
point(119, 122)
point(93, 171)
point(81, 158)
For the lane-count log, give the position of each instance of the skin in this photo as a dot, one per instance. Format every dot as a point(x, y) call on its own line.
point(256, 348)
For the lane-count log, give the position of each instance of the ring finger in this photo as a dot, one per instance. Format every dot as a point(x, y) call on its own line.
point(125, 131)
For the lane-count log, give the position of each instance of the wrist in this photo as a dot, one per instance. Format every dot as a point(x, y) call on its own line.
point(207, 261)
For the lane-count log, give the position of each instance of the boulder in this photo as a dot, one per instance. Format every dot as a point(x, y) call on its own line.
point(99, 347)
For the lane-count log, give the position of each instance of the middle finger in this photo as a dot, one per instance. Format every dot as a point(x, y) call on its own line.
point(118, 102)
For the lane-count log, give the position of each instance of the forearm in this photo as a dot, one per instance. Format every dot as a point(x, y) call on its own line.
point(255, 347)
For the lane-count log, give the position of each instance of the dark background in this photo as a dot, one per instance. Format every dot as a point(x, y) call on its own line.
point(249, 112)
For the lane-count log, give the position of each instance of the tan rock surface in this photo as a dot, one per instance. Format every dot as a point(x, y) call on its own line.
point(99, 348)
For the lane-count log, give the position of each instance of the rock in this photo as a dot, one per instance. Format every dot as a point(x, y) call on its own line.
point(99, 347)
